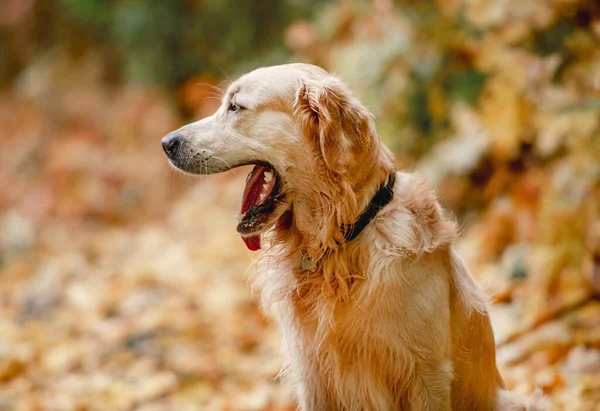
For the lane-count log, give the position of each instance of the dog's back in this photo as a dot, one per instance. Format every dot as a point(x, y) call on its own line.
point(476, 379)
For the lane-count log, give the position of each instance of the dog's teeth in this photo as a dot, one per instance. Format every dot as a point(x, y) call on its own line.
point(262, 197)
point(268, 176)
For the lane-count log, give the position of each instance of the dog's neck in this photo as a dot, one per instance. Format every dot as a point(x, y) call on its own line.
point(382, 197)
point(311, 235)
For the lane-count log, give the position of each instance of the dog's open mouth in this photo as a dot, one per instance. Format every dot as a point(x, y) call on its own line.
point(260, 199)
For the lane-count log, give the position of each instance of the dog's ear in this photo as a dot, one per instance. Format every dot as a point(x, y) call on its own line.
point(334, 122)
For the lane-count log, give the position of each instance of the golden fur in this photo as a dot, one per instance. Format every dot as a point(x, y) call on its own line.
point(389, 321)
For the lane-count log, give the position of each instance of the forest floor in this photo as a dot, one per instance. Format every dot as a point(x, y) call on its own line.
point(160, 316)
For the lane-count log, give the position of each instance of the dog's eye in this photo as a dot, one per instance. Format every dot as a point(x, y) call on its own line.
point(233, 107)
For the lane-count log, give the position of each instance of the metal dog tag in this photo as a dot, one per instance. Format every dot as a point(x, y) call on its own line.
point(305, 263)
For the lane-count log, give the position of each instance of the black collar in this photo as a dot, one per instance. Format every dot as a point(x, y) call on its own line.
point(382, 197)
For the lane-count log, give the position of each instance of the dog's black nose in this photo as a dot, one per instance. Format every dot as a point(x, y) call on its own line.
point(170, 142)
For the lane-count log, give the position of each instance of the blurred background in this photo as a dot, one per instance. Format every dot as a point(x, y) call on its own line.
point(123, 285)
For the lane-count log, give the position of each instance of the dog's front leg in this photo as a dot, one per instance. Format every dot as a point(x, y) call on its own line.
point(313, 396)
point(313, 390)
point(431, 387)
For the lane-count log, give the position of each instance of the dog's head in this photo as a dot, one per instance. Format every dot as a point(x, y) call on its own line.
point(313, 145)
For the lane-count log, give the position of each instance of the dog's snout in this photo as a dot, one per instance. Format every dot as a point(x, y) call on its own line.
point(170, 142)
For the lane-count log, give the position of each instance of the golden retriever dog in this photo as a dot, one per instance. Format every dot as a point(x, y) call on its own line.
point(377, 310)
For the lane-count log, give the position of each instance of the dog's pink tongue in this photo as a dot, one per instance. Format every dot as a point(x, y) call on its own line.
point(253, 243)
point(250, 198)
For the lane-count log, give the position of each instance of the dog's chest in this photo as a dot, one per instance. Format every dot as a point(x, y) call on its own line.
point(333, 330)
